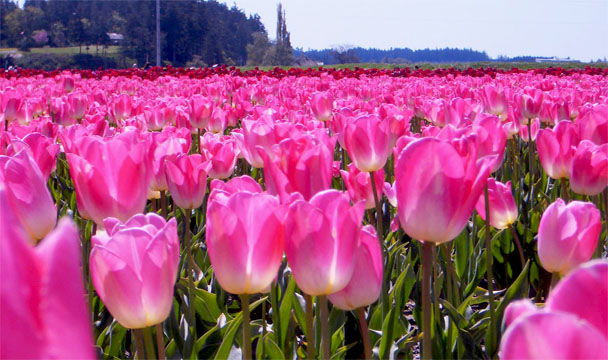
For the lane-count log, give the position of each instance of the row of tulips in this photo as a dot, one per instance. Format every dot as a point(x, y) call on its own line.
point(154, 72)
point(294, 190)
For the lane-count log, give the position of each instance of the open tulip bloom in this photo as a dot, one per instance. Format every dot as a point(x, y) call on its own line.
point(134, 268)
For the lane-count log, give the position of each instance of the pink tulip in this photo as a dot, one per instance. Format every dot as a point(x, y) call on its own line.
point(529, 104)
point(242, 183)
point(163, 146)
point(589, 169)
point(44, 314)
point(366, 282)
point(588, 285)
point(201, 109)
point(321, 104)
point(503, 210)
point(134, 268)
point(110, 176)
point(359, 185)
point(552, 336)
point(563, 329)
point(245, 239)
point(187, 179)
point(255, 133)
point(222, 152)
point(367, 140)
point(491, 138)
point(321, 241)
point(556, 148)
point(523, 131)
point(494, 100)
point(568, 235)
point(77, 105)
point(27, 194)
point(301, 165)
point(40, 148)
point(593, 125)
point(438, 184)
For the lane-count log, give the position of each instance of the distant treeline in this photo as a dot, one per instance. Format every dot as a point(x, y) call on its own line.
point(193, 32)
point(399, 55)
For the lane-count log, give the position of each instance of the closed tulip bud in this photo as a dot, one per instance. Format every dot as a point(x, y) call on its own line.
point(28, 195)
point(134, 268)
point(367, 140)
point(529, 104)
point(366, 282)
point(44, 313)
point(321, 241)
point(589, 169)
point(245, 239)
point(322, 105)
point(503, 210)
point(568, 235)
point(187, 179)
point(556, 148)
point(438, 183)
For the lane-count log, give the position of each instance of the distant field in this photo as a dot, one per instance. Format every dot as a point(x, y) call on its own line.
point(462, 65)
point(111, 51)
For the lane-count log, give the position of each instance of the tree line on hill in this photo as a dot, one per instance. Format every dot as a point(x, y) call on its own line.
point(193, 33)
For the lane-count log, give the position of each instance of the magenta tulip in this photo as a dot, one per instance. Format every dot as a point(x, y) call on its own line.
point(110, 176)
point(359, 185)
point(134, 268)
point(367, 140)
point(187, 180)
point(321, 241)
point(568, 235)
point(556, 148)
point(245, 239)
point(530, 103)
point(241, 183)
point(163, 146)
point(438, 184)
point(503, 210)
point(321, 105)
point(40, 148)
point(366, 282)
point(44, 313)
point(564, 328)
point(589, 169)
point(28, 195)
point(222, 152)
point(301, 165)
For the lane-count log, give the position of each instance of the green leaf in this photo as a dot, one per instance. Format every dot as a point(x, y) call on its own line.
point(272, 349)
point(285, 307)
point(386, 341)
point(205, 305)
point(233, 328)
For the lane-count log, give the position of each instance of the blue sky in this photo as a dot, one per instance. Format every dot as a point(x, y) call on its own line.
point(563, 28)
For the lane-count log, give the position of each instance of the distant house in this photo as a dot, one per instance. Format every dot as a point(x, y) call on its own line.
point(554, 59)
point(115, 38)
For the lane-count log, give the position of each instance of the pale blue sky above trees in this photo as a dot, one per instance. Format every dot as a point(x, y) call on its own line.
point(563, 28)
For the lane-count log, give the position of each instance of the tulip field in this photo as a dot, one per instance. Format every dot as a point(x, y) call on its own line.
point(304, 213)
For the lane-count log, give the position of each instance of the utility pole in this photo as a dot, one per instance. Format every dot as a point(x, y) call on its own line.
point(157, 32)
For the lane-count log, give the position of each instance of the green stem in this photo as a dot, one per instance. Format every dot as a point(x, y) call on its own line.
point(531, 168)
point(139, 344)
point(364, 333)
point(565, 194)
point(148, 343)
point(380, 234)
point(554, 281)
point(163, 203)
point(189, 268)
point(324, 319)
point(452, 280)
point(310, 334)
point(489, 268)
point(522, 258)
point(160, 342)
point(427, 263)
point(261, 340)
point(246, 327)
